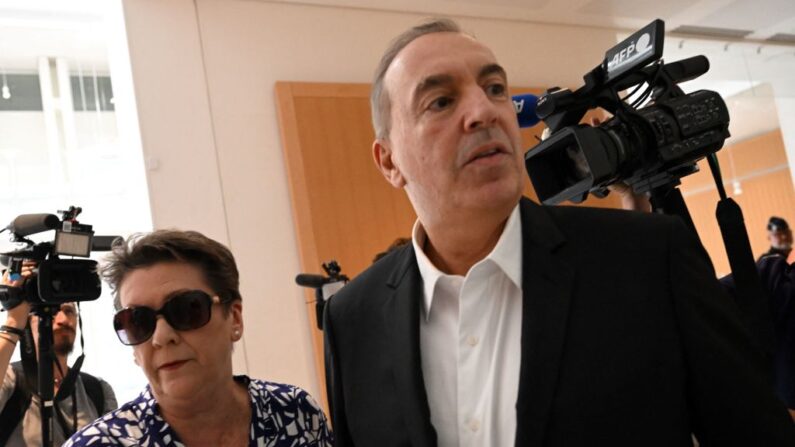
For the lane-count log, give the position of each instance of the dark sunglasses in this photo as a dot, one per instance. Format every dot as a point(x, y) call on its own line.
point(184, 311)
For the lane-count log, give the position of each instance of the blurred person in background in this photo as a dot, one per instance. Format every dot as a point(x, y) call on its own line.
point(780, 236)
point(77, 402)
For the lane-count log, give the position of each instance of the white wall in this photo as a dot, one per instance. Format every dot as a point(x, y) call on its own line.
point(204, 75)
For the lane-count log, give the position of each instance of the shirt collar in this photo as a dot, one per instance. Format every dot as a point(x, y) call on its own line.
point(430, 274)
point(507, 255)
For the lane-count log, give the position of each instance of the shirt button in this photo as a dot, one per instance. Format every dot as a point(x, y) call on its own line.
point(472, 340)
point(474, 425)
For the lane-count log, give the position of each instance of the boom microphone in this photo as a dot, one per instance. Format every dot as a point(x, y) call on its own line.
point(27, 224)
point(525, 106)
point(309, 280)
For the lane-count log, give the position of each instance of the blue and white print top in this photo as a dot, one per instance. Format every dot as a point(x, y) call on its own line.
point(281, 415)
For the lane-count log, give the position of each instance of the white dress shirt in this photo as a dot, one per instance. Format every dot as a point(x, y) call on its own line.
point(470, 341)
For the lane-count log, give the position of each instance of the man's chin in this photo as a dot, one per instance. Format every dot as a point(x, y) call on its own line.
point(497, 195)
point(64, 350)
point(63, 347)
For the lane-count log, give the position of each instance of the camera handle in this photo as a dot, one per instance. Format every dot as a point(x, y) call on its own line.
point(751, 296)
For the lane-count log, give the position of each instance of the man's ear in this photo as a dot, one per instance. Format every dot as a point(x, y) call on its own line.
point(384, 160)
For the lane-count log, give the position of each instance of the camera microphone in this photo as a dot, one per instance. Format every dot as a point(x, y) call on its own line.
point(679, 71)
point(309, 280)
point(27, 224)
point(525, 106)
point(687, 69)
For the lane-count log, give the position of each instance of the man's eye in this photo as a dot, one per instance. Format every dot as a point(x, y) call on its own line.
point(440, 103)
point(495, 89)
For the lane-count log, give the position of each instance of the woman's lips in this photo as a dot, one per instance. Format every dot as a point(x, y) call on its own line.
point(172, 365)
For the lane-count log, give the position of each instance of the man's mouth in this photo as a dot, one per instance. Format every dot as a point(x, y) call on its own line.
point(487, 151)
point(487, 154)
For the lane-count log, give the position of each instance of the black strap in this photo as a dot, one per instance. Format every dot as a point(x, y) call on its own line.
point(69, 380)
point(27, 354)
point(67, 389)
point(18, 403)
point(94, 390)
point(68, 429)
point(752, 297)
point(16, 406)
point(12, 330)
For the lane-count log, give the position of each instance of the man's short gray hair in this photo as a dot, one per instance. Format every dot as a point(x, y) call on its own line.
point(379, 98)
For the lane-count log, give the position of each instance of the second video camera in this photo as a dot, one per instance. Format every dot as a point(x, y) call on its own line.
point(57, 280)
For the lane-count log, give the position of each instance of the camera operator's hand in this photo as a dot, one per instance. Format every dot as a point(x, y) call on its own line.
point(18, 316)
point(629, 200)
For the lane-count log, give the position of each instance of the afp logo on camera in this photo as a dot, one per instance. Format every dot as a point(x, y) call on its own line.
point(638, 50)
point(631, 52)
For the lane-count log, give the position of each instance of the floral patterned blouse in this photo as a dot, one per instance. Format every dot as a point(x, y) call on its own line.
point(281, 415)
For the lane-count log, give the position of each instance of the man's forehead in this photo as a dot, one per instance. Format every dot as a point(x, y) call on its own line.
point(438, 54)
point(70, 308)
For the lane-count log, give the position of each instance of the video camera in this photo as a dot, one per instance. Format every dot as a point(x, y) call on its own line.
point(647, 148)
point(325, 286)
point(57, 280)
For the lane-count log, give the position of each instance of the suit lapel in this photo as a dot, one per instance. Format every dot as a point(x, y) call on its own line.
point(402, 316)
point(547, 280)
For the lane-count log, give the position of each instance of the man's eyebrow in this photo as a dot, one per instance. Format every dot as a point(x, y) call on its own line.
point(491, 69)
point(429, 83)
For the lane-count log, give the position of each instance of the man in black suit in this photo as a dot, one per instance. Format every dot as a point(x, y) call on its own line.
point(507, 323)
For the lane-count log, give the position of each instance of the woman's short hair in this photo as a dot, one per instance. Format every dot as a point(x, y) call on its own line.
point(142, 250)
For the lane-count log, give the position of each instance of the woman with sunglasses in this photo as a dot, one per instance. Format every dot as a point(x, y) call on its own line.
point(180, 309)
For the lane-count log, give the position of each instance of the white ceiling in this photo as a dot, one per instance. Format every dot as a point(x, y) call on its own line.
point(763, 18)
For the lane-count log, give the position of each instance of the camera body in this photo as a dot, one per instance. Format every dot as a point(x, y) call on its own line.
point(647, 148)
point(56, 280)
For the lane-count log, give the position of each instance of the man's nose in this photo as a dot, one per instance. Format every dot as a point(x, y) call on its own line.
point(480, 110)
point(60, 318)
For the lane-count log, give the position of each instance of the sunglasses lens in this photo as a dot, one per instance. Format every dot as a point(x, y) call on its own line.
point(134, 325)
point(189, 310)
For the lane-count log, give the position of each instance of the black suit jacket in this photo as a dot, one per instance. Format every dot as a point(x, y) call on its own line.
point(627, 340)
